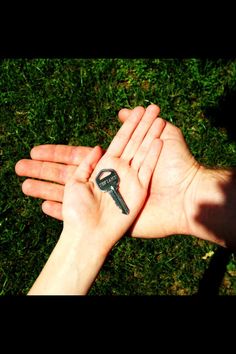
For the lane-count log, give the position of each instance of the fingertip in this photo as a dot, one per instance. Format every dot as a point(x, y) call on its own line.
point(53, 209)
point(124, 113)
point(154, 108)
point(19, 167)
point(139, 110)
point(98, 148)
point(97, 152)
point(26, 186)
point(44, 206)
point(47, 207)
point(33, 153)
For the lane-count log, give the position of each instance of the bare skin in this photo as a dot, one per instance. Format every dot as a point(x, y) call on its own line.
point(176, 168)
point(87, 236)
point(178, 188)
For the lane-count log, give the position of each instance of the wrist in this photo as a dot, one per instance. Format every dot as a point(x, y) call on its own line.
point(71, 268)
point(211, 206)
point(83, 261)
point(83, 246)
point(191, 201)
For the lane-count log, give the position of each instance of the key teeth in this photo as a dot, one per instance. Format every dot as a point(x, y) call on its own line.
point(126, 211)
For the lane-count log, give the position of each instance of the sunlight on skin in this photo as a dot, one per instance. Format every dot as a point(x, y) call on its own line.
point(92, 222)
point(161, 215)
point(177, 175)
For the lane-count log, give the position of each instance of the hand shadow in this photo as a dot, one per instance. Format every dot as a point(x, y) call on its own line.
point(221, 115)
point(211, 217)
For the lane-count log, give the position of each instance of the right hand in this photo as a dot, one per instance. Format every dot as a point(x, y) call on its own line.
point(166, 209)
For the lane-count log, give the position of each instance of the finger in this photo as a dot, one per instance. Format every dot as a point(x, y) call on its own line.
point(122, 137)
point(141, 130)
point(124, 114)
point(49, 171)
point(43, 190)
point(148, 166)
point(60, 153)
point(86, 167)
point(153, 133)
point(53, 209)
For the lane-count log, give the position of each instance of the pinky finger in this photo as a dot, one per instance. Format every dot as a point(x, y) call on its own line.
point(53, 209)
point(149, 163)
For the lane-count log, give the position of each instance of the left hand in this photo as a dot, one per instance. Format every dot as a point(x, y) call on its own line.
point(133, 154)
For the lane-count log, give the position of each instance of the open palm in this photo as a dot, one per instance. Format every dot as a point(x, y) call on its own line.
point(86, 208)
point(133, 154)
point(164, 211)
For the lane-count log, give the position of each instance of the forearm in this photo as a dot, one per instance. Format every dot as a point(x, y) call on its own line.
point(212, 206)
point(71, 268)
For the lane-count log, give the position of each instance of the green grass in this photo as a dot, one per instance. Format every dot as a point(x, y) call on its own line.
point(76, 101)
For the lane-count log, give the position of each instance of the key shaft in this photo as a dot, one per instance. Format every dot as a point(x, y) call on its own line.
point(116, 196)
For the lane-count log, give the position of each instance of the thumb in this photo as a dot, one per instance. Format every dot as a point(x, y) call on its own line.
point(87, 165)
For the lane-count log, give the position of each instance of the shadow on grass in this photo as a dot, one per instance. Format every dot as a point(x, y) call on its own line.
point(223, 114)
point(213, 276)
point(219, 219)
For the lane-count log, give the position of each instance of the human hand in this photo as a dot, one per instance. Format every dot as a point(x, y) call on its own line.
point(166, 208)
point(54, 163)
point(92, 221)
point(91, 214)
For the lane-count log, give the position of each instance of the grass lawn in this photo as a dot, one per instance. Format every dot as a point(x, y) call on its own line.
point(76, 101)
